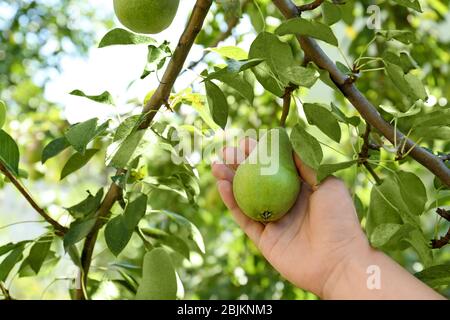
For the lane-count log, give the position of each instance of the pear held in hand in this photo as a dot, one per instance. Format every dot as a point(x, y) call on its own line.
point(146, 16)
point(266, 185)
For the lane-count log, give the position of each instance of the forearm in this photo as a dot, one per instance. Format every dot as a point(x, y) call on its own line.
point(375, 276)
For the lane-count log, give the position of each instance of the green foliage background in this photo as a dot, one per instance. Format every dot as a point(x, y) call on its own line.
point(231, 268)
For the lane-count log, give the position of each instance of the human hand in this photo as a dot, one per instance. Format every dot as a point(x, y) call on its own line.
point(314, 240)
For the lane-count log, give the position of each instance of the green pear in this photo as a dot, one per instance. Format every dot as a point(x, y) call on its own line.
point(146, 16)
point(266, 184)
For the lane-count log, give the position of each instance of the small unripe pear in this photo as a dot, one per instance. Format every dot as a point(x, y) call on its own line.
point(266, 185)
point(146, 16)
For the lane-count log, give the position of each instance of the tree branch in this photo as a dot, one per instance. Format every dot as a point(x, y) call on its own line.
point(360, 102)
point(309, 6)
point(59, 229)
point(149, 111)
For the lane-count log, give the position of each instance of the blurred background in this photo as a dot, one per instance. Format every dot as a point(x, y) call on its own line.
point(49, 48)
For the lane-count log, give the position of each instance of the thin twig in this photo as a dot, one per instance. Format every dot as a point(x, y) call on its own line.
point(60, 230)
point(149, 111)
point(445, 157)
point(443, 213)
point(441, 242)
point(363, 156)
point(309, 6)
point(286, 104)
point(366, 109)
point(5, 292)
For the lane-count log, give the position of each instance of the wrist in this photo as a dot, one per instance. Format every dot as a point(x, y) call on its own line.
point(349, 272)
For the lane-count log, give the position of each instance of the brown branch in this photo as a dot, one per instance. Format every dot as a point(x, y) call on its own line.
point(445, 157)
point(441, 242)
point(309, 6)
point(59, 229)
point(286, 104)
point(5, 292)
point(158, 99)
point(443, 213)
point(360, 102)
point(363, 156)
point(231, 24)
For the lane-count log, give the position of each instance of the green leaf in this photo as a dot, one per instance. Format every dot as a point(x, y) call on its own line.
point(218, 104)
point(126, 150)
point(156, 58)
point(413, 191)
point(78, 230)
point(54, 148)
point(331, 13)
point(415, 109)
point(387, 206)
point(328, 169)
point(277, 57)
point(435, 276)
point(9, 153)
point(268, 80)
point(123, 37)
point(117, 235)
point(404, 36)
point(230, 52)
point(192, 231)
point(383, 233)
point(439, 118)
point(39, 252)
point(10, 261)
point(11, 246)
point(81, 134)
point(119, 230)
point(104, 98)
point(408, 84)
point(74, 255)
point(403, 60)
point(307, 147)
point(135, 210)
point(235, 81)
point(412, 4)
point(77, 161)
point(420, 244)
point(126, 127)
point(321, 117)
point(174, 242)
point(198, 103)
point(2, 113)
point(88, 206)
point(303, 77)
point(354, 121)
point(159, 281)
point(311, 28)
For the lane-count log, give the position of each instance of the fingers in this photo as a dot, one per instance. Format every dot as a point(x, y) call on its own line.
point(307, 173)
point(232, 157)
point(222, 172)
point(247, 145)
point(252, 228)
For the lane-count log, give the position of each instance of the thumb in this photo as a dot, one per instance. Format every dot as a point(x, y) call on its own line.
point(307, 173)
